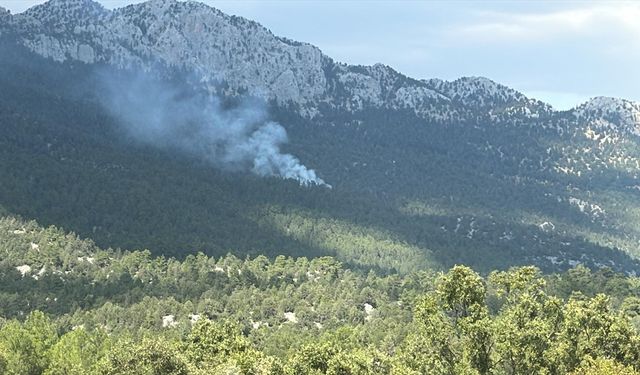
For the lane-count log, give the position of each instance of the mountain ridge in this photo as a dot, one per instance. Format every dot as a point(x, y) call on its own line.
point(194, 36)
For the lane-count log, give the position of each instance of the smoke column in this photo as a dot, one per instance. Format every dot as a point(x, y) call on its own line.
point(169, 117)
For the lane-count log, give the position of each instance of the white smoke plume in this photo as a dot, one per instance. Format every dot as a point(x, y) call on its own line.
point(240, 138)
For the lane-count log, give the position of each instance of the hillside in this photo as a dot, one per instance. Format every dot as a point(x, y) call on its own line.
point(420, 169)
point(68, 306)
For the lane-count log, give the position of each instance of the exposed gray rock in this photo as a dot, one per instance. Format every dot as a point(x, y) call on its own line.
point(247, 57)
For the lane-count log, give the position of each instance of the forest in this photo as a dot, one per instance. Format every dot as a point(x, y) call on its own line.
point(69, 307)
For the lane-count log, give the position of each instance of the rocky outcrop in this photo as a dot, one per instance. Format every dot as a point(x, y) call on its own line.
point(237, 56)
point(620, 115)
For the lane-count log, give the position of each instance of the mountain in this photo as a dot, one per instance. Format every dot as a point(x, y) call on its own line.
point(247, 57)
point(425, 173)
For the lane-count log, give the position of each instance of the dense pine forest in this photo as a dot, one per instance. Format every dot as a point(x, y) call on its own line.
point(69, 307)
point(67, 163)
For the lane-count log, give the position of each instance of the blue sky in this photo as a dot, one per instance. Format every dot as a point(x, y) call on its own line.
point(562, 52)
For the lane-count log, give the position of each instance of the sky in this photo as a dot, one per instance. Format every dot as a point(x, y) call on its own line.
point(561, 52)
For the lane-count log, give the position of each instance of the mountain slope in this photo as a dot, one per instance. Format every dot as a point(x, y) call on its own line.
point(425, 173)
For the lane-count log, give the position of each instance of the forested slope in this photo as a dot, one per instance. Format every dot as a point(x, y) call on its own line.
point(65, 161)
point(68, 307)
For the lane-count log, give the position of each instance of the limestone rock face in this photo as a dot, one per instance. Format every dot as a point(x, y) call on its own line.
point(219, 48)
point(233, 56)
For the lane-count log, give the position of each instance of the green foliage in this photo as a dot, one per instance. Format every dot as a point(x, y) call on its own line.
point(312, 359)
point(152, 356)
point(210, 342)
point(461, 292)
point(604, 366)
point(77, 352)
point(359, 361)
point(591, 329)
point(26, 345)
point(4, 359)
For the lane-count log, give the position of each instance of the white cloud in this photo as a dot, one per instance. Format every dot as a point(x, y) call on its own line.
point(598, 19)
